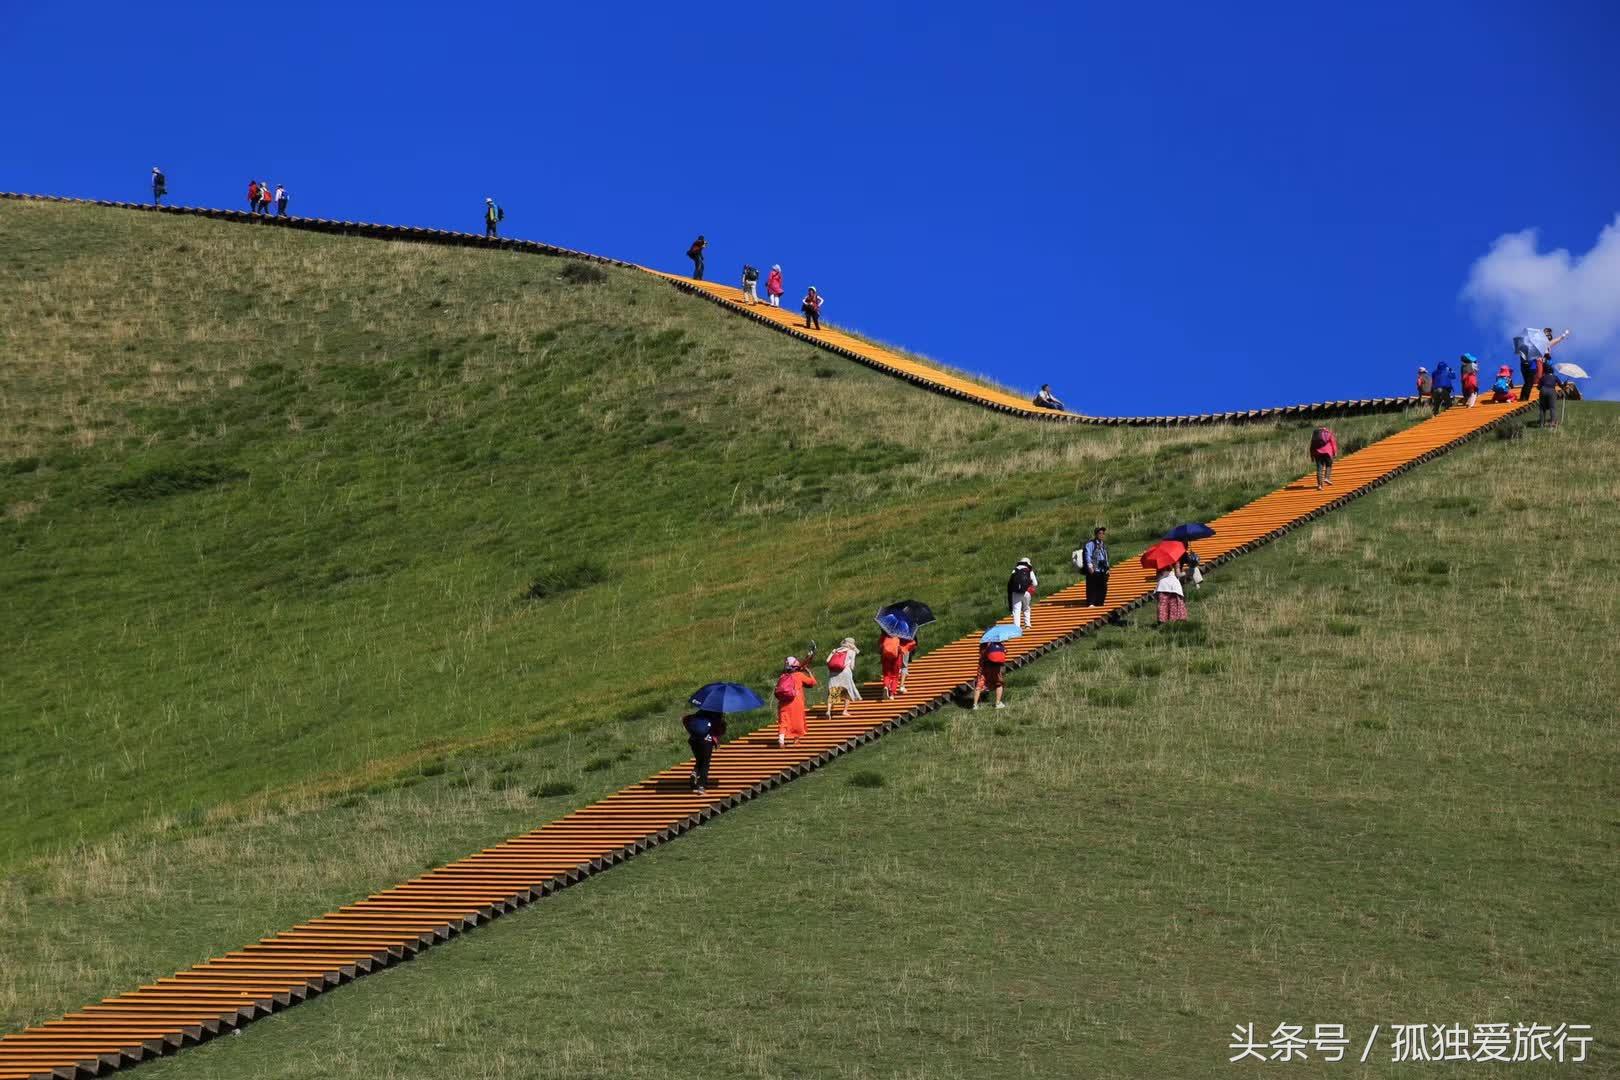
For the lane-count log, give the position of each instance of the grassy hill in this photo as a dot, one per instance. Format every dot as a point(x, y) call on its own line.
point(327, 561)
point(1374, 784)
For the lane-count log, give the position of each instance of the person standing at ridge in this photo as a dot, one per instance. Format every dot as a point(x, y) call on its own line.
point(1020, 583)
point(1424, 382)
point(812, 309)
point(264, 198)
point(1535, 351)
point(493, 216)
point(253, 196)
point(750, 284)
point(281, 200)
point(160, 186)
point(790, 688)
point(695, 253)
point(773, 286)
point(1093, 563)
point(1548, 399)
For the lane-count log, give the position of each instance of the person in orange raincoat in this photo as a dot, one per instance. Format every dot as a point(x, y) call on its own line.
point(790, 688)
point(891, 650)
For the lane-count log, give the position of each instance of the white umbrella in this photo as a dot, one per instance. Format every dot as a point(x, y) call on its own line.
point(1571, 371)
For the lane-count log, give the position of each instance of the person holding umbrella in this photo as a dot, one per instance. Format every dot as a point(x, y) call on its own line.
point(993, 662)
point(706, 726)
point(918, 614)
point(897, 630)
point(1163, 558)
point(790, 712)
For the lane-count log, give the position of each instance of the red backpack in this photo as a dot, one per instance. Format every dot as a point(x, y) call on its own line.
point(837, 660)
point(787, 687)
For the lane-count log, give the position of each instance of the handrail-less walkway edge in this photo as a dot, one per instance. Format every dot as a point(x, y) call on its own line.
point(917, 372)
point(233, 989)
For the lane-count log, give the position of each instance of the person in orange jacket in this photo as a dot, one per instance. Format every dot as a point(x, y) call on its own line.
point(891, 651)
point(790, 713)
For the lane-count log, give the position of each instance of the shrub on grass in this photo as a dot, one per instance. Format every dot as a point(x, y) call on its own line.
point(565, 577)
point(866, 778)
point(171, 478)
point(582, 273)
point(551, 789)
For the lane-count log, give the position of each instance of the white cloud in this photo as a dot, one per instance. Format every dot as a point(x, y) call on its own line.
point(1514, 285)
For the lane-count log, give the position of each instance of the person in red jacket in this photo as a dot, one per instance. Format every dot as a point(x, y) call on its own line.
point(812, 309)
point(891, 653)
point(790, 712)
point(773, 286)
point(253, 196)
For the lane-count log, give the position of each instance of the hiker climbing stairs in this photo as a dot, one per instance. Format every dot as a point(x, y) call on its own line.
point(224, 993)
point(917, 372)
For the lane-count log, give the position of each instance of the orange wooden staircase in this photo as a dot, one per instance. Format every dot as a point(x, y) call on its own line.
point(224, 993)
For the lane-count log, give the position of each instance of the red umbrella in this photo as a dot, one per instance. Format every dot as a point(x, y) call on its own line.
point(1164, 554)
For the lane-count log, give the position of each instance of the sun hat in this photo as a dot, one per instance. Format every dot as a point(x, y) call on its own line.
point(776, 266)
point(792, 663)
point(1025, 562)
point(849, 643)
point(1505, 370)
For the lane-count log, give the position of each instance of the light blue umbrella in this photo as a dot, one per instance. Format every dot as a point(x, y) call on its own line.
point(1003, 632)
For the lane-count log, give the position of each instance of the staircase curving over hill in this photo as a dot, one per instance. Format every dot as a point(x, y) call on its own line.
point(917, 372)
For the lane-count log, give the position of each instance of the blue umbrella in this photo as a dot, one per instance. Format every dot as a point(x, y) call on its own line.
point(897, 624)
point(1003, 632)
point(726, 697)
point(1193, 530)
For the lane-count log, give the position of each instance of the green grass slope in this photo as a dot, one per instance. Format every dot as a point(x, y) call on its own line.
point(291, 516)
point(1372, 782)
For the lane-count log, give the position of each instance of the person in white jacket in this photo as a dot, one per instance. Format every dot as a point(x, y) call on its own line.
point(841, 686)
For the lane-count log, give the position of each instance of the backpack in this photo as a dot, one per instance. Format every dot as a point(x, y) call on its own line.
point(996, 654)
point(837, 661)
point(750, 274)
point(699, 725)
point(500, 214)
point(1019, 582)
point(1320, 438)
point(787, 687)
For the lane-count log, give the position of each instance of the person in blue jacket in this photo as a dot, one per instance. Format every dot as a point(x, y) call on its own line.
point(1445, 385)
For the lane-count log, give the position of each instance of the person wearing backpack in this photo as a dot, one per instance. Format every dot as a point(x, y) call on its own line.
point(1424, 382)
point(1502, 388)
point(493, 216)
point(1020, 594)
point(790, 688)
point(1092, 561)
point(773, 285)
point(750, 284)
point(253, 196)
point(1324, 448)
point(1470, 379)
point(841, 687)
point(1445, 384)
point(992, 662)
point(160, 186)
point(704, 730)
point(695, 253)
point(281, 200)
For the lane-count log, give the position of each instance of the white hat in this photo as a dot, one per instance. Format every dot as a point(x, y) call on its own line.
point(792, 663)
point(776, 266)
point(488, 199)
point(1025, 562)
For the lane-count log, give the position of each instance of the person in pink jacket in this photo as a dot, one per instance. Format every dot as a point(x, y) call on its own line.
point(1324, 448)
point(773, 286)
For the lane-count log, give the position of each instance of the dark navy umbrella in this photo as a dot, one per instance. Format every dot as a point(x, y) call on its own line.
point(1193, 530)
point(897, 624)
point(726, 697)
point(915, 611)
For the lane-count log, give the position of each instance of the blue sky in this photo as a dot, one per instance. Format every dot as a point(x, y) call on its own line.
point(1154, 207)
